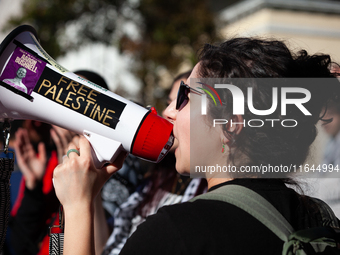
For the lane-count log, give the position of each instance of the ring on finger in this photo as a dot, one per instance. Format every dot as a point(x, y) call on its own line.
point(72, 150)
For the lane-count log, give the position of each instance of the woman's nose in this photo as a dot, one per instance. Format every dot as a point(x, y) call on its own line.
point(170, 112)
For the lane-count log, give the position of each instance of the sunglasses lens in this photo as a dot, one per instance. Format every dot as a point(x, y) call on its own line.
point(182, 97)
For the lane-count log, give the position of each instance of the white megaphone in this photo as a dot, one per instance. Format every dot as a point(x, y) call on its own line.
point(34, 86)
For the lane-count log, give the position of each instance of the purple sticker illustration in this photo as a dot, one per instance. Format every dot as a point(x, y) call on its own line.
point(23, 71)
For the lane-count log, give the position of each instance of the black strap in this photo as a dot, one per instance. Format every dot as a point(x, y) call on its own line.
point(6, 169)
point(56, 244)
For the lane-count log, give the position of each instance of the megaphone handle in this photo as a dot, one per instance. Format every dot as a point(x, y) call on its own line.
point(104, 150)
point(98, 164)
point(101, 163)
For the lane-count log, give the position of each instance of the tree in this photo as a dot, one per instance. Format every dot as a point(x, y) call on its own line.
point(160, 34)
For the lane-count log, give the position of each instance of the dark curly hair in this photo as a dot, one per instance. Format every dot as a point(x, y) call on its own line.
point(255, 61)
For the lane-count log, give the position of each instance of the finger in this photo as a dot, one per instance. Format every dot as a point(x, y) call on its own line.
point(117, 164)
point(20, 154)
point(17, 142)
point(20, 145)
point(59, 140)
point(61, 151)
point(64, 134)
point(55, 138)
point(67, 134)
point(42, 151)
point(72, 152)
point(64, 158)
point(27, 146)
point(84, 146)
point(75, 140)
point(72, 146)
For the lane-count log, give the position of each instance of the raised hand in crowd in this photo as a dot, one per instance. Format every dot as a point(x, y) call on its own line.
point(31, 164)
point(61, 138)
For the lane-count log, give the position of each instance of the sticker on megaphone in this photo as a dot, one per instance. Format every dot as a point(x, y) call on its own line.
point(34, 86)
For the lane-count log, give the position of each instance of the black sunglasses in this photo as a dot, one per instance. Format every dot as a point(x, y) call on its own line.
point(182, 95)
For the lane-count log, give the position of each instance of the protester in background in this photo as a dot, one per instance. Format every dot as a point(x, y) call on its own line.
point(327, 185)
point(37, 205)
point(209, 226)
point(332, 129)
point(39, 135)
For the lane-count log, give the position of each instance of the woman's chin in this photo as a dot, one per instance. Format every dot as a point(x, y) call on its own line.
point(182, 170)
point(184, 173)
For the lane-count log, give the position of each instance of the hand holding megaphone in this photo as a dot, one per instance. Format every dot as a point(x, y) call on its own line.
point(34, 86)
point(77, 181)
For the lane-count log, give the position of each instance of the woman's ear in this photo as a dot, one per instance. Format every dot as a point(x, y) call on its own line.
point(233, 128)
point(236, 124)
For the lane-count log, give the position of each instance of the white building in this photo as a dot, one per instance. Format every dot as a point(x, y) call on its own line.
point(313, 25)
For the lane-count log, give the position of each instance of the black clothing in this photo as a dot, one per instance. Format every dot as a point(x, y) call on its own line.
point(29, 226)
point(215, 227)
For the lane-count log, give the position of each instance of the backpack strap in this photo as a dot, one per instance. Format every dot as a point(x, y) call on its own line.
point(318, 239)
point(254, 204)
